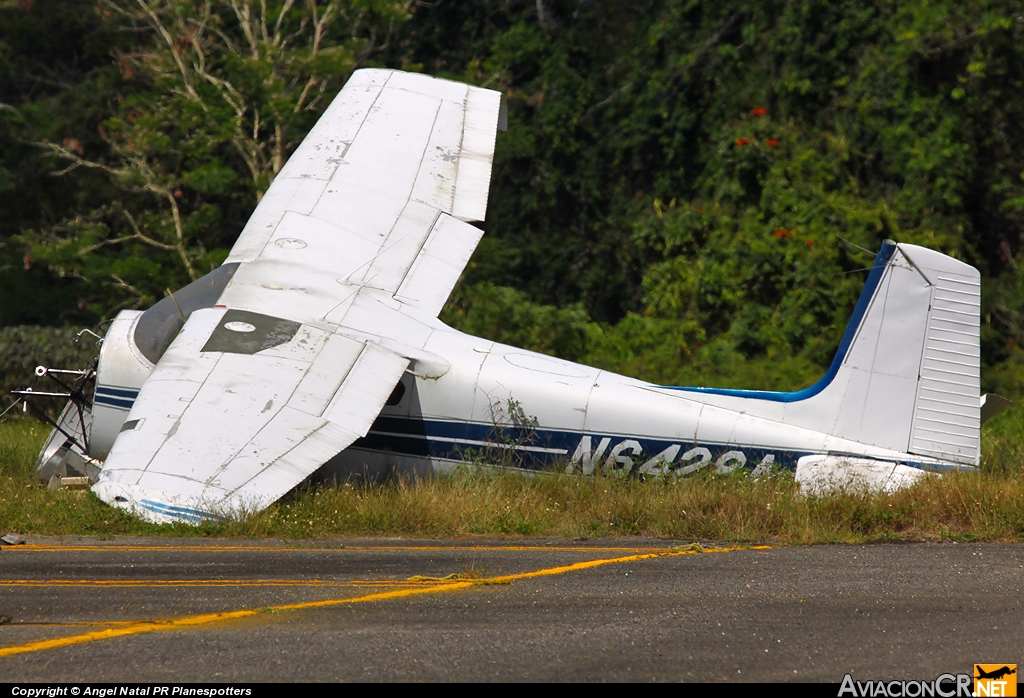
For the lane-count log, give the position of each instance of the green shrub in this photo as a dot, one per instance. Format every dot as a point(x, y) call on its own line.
point(24, 348)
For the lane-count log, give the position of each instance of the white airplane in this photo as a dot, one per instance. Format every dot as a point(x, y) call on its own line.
point(317, 342)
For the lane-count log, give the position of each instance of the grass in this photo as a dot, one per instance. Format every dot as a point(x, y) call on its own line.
point(985, 505)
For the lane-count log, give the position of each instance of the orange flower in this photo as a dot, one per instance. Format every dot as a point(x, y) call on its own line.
point(700, 210)
point(772, 142)
point(810, 243)
point(780, 233)
point(742, 141)
point(74, 145)
point(758, 111)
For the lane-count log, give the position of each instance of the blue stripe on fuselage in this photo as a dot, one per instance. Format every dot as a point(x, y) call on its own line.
point(540, 449)
point(117, 392)
point(113, 402)
point(121, 398)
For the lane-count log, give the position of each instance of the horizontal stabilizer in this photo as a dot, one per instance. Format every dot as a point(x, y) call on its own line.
point(991, 405)
point(822, 475)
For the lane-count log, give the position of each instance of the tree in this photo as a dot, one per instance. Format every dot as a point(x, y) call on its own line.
point(221, 92)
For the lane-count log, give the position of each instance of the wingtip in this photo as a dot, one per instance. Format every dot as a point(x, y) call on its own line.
point(154, 507)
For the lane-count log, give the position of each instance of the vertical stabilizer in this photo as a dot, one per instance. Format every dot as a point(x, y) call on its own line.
point(906, 376)
point(909, 378)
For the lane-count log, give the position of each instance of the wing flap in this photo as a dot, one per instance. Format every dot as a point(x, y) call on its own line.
point(326, 375)
point(439, 264)
point(287, 431)
point(387, 270)
point(362, 386)
point(292, 467)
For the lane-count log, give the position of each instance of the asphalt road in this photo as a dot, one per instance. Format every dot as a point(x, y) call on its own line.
point(158, 610)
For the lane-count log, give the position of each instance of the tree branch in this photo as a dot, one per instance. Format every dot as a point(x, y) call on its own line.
point(155, 22)
point(140, 236)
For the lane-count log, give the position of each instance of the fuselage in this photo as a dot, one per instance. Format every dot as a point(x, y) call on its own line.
point(498, 404)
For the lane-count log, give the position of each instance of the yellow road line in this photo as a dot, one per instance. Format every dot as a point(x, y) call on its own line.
point(514, 548)
point(588, 564)
point(105, 623)
point(107, 583)
point(44, 548)
point(207, 618)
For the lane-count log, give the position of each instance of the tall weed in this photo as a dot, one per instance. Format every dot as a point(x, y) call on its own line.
point(987, 504)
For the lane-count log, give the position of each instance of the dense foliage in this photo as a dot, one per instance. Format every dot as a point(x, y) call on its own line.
point(688, 191)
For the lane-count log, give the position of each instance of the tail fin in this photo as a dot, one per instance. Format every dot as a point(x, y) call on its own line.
point(906, 376)
point(907, 373)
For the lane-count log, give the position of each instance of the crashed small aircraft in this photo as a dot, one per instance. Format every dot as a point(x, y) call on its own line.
point(316, 347)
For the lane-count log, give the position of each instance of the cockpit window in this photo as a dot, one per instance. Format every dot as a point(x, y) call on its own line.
point(159, 325)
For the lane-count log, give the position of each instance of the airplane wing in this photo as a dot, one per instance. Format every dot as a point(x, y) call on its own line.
point(349, 256)
point(377, 195)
